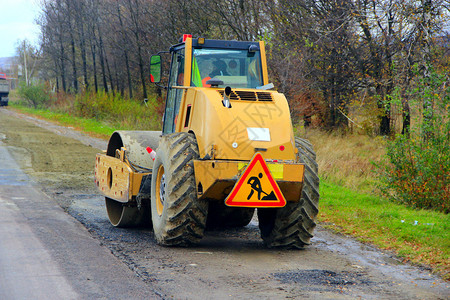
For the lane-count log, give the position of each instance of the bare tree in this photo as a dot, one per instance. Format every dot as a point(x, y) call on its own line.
point(321, 53)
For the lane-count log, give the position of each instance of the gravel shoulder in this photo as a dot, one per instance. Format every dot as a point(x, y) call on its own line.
point(226, 264)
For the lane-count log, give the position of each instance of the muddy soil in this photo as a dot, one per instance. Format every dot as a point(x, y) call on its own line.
point(228, 264)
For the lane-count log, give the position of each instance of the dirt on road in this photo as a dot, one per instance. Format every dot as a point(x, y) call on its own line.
point(227, 264)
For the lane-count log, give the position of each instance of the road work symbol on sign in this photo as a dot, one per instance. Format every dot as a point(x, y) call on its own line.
point(255, 183)
point(256, 187)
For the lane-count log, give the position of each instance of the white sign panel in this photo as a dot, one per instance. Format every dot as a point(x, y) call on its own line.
point(258, 134)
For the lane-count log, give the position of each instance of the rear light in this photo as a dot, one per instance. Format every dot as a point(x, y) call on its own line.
point(282, 148)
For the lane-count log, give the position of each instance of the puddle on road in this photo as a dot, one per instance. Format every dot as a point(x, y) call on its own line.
point(322, 278)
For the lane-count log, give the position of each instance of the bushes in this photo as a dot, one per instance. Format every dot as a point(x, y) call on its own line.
point(112, 110)
point(117, 111)
point(35, 95)
point(417, 170)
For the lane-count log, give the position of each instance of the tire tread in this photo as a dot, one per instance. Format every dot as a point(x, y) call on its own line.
point(292, 226)
point(186, 215)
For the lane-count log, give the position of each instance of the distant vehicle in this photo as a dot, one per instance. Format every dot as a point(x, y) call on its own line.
point(4, 90)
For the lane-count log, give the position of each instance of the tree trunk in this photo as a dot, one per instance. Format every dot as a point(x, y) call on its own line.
point(141, 69)
point(74, 65)
point(94, 64)
point(70, 22)
point(62, 66)
point(135, 16)
point(56, 75)
point(62, 60)
point(125, 52)
point(385, 119)
point(385, 108)
point(426, 64)
point(119, 84)
point(406, 116)
point(102, 59)
point(111, 82)
point(83, 52)
point(130, 86)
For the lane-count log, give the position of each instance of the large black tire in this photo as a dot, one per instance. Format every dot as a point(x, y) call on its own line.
point(178, 217)
point(292, 226)
point(222, 216)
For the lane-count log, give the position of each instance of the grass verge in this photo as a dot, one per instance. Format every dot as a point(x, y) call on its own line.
point(346, 159)
point(419, 236)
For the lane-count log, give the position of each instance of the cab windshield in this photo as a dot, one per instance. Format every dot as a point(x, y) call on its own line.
point(236, 68)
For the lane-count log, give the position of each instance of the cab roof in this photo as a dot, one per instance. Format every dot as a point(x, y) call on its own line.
point(218, 44)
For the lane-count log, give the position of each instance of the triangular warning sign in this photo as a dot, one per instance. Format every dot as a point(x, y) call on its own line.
point(256, 187)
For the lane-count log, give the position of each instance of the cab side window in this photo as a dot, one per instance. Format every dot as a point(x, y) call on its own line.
point(174, 95)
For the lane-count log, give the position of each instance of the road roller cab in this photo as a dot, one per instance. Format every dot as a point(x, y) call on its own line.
point(227, 147)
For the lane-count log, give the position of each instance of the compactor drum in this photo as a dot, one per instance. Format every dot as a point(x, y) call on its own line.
point(227, 147)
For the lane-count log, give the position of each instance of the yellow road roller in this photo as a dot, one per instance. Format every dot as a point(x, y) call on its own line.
point(227, 147)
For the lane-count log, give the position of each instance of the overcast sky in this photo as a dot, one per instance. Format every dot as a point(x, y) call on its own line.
point(17, 22)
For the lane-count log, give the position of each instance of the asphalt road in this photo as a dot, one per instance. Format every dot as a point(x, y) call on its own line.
point(56, 241)
point(47, 254)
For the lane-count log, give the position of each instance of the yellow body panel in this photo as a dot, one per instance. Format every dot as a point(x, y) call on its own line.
point(187, 62)
point(115, 179)
point(264, 63)
point(225, 129)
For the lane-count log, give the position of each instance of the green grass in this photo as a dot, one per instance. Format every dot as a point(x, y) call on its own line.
point(419, 236)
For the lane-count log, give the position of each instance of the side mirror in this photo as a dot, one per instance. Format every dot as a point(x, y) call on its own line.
point(155, 68)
